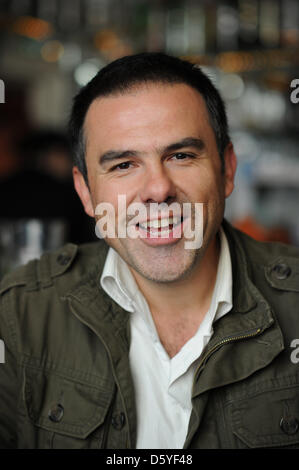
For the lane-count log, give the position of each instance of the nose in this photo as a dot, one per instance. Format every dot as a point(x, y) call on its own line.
point(158, 185)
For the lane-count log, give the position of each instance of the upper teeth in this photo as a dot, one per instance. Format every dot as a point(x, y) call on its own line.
point(160, 223)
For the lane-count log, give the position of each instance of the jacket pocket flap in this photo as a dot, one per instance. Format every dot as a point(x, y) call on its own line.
point(268, 419)
point(64, 405)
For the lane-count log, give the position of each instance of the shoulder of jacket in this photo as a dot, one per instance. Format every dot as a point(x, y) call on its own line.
point(67, 260)
point(279, 261)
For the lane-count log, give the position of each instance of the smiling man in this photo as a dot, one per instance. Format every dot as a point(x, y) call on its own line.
point(143, 341)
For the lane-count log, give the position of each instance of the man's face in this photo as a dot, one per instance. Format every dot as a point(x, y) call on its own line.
point(160, 148)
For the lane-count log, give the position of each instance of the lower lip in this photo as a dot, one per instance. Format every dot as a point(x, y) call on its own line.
point(157, 238)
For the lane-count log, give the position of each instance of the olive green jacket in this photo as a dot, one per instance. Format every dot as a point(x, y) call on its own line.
point(66, 380)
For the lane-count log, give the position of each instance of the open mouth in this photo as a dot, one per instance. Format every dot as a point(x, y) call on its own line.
point(161, 226)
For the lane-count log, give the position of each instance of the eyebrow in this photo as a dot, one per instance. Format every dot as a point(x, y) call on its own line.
point(113, 155)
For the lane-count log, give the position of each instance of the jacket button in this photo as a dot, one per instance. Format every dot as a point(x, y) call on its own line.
point(56, 413)
point(63, 259)
point(281, 271)
point(118, 421)
point(289, 425)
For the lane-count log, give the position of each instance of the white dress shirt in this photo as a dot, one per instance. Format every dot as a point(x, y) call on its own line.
point(163, 385)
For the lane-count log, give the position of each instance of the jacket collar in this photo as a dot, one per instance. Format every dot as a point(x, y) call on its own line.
point(236, 350)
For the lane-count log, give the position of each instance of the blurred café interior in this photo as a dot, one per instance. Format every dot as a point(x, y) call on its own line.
point(51, 48)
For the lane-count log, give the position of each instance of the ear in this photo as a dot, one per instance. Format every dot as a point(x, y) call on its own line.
point(83, 191)
point(230, 160)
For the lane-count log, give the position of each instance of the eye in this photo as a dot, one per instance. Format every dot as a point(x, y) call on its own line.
point(182, 156)
point(121, 166)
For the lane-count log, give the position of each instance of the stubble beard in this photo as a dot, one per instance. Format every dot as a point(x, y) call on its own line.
point(164, 264)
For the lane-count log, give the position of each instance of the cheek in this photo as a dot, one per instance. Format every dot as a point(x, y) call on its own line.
point(201, 187)
point(100, 191)
point(115, 201)
point(119, 192)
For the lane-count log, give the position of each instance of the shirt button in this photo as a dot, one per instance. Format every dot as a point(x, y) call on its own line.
point(56, 413)
point(63, 259)
point(281, 271)
point(118, 421)
point(289, 425)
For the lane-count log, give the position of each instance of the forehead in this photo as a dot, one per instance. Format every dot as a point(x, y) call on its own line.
point(148, 111)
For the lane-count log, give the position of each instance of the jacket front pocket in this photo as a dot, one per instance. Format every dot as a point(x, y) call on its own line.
point(268, 419)
point(71, 413)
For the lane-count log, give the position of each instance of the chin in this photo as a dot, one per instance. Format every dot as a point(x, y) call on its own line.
point(168, 270)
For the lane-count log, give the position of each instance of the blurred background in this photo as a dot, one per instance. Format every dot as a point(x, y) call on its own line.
point(50, 48)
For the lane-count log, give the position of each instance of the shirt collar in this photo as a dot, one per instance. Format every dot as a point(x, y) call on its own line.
point(223, 291)
point(117, 280)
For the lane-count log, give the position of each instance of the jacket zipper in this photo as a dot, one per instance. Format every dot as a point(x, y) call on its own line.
point(221, 343)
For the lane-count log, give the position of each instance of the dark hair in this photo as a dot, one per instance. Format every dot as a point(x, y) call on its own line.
point(123, 74)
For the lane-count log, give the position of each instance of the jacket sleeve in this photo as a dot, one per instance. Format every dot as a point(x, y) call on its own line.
point(8, 380)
